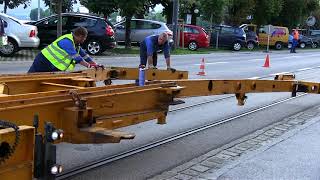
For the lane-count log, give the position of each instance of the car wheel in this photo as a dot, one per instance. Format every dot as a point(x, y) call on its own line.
point(302, 45)
point(314, 45)
point(236, 46)
point(278, 45)
point(9, 49)
point(94, 47)
point(193, 46)
point(250, 45)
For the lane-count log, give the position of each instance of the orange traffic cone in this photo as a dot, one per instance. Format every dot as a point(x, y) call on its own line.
point(267, 62)
point(202, 72)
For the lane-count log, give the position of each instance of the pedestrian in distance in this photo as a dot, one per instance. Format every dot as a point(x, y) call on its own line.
point(295, 40)
point(149, 48)
point(64, 53)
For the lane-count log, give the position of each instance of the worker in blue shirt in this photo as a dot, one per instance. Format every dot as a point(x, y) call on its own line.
point(63, 54)
point(149, 48)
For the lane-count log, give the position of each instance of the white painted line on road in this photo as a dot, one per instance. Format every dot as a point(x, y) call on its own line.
point(279, 73)
point(255, 59)
point(254, 78)
point(304, 69)
point(212, 63)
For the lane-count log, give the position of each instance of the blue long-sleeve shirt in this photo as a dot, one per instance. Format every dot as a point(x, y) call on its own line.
point(150, 45)
point(67, 45)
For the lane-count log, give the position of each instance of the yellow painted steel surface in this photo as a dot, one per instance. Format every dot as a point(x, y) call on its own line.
point(20, 164)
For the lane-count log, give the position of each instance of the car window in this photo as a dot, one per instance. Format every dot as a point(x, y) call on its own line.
point(195, 31)
point(227, 30)
point(315, 33)
point(82, 21)
point(133, 24)
point(146, 25)
point(53, 21)
point(187, 30)
point(262, 30)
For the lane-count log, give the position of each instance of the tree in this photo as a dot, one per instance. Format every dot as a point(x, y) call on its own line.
point(296, 12)
point(11, 4)
point(34, 14)
point(67, 5)
point(237, 11)
point(265, 10)
point(212, 10)
point(101, 7)
point(127, 9)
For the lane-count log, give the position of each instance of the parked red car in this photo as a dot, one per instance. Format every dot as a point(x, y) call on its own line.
point(194, 37)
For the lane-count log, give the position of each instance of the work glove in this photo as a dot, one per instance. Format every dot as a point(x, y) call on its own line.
point(93, 66)
point(101, 66)
point(171, 69)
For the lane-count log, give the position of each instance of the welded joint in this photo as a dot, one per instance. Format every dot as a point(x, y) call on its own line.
point(172, 90)
point(241, 97)
point(78, 101)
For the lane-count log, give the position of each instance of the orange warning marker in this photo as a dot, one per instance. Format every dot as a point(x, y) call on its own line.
point(202, 72)
point(267, 62)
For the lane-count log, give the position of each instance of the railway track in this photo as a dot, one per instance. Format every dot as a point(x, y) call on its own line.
point(104, 161)
point(107, 160)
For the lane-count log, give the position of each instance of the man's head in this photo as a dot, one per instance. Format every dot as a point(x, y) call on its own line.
point(163, 38)
point(80, 35)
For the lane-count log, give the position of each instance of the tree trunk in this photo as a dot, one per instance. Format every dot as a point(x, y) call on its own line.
point(128, 32)
point(193, 18)
point(5, 7)
point(168, 12)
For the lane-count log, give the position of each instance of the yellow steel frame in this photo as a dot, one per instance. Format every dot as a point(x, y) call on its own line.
point(20, 164)
point(92, 114)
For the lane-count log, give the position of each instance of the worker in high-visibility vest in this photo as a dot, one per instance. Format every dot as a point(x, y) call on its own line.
point(63, 54)
point(295, 40)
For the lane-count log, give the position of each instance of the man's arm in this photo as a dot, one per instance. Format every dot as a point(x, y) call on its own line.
point(67, 45)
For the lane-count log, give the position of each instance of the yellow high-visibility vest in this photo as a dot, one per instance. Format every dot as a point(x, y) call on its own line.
point(58, 56)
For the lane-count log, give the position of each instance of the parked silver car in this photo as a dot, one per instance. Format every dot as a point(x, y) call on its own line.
point(141, 28)
point(19, 35)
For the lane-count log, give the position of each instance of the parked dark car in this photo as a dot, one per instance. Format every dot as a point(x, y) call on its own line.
point(231, 37)
point(100, 37)
point(252, 38)
point(304, 41)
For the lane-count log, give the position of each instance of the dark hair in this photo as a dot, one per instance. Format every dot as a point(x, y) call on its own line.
point(80, 31)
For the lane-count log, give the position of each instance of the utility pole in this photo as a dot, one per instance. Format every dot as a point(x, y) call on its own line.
point(175, 22)
point(59, 11)
point(38, 9)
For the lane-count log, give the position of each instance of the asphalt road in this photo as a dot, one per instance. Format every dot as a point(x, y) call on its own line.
point(234, 65)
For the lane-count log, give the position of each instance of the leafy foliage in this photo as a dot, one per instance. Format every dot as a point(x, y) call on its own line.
point(238, 11)
point(34, 14)
point(11, 4)
point(67, 5)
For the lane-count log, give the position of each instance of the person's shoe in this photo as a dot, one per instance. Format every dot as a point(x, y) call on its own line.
point(171, 69)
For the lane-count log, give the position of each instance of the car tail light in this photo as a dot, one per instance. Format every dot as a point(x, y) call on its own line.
point(109, 31)
point(32, 33)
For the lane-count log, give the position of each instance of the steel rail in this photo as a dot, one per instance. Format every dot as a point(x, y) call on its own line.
point(107, 160)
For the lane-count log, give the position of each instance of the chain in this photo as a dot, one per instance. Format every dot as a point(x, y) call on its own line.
point(5, 149)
